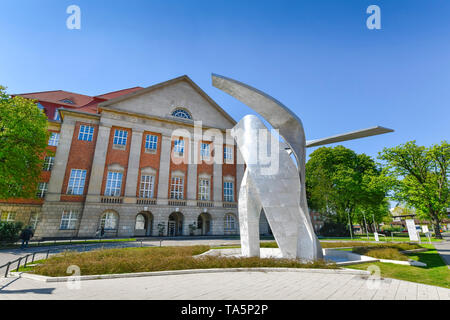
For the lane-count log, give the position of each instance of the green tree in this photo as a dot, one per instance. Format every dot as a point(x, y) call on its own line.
point(345, 186)
point(422, 178)
point(23, 142)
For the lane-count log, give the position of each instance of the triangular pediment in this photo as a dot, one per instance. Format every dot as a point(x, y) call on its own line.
point(163, 99)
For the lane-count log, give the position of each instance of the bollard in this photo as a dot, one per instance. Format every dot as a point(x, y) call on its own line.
point(18, 264)
point(7, 269)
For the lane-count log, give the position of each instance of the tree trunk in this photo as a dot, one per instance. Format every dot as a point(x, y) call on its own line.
point(437, 228)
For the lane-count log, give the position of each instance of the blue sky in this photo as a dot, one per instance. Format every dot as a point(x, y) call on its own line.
point(317, 57)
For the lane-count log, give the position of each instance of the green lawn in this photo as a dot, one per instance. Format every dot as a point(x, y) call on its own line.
point(389, 239)
point(340, 244)
point(435, 273)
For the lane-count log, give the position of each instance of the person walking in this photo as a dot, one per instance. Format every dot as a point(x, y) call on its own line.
point(25, 236)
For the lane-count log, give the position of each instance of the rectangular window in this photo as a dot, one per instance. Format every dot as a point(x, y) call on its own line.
point(151, 143)
point(228, 194)
point(228, 153)
point(204, 152)
point(147, 183)
point(42, 190)
point(204, 189)
point(113, 184)
point(120, 137)
point(76, 182)
point(8, 216)
point(48, 163)
point(54, 139)
point(177, 188)
point(86, 133)
point(69, 220)
point(34, 219)
point(178, 147)
point(57, 117)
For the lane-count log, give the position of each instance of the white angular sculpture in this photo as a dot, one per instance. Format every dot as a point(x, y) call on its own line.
point(278, 194)
point(282, 195)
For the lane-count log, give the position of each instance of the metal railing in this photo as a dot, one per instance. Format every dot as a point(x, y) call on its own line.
point(25, 259)
point(11, 265)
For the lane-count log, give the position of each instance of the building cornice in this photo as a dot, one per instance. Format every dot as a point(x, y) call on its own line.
point(79, 114)
point(187, 123)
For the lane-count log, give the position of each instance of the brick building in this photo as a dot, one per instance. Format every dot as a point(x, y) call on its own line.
point(116, 165)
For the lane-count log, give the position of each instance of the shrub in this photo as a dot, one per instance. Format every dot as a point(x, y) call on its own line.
point(10, 231)
point(333, 229)
point(387, 229)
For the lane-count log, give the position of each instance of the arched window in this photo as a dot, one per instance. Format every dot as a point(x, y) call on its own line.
point(140, 222)
point(180, 113)
point(109, 220)
point(230, 222)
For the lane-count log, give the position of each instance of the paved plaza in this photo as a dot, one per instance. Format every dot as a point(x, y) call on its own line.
point(220, 285)
point(226, 285)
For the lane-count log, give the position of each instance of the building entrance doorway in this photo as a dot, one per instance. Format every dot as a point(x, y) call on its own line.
point(175, 224)
point(204, 224)
point(144, 224)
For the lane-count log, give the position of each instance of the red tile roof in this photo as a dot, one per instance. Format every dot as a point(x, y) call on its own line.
point(77, 101)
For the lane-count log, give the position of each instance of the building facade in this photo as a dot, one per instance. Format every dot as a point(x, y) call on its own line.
point(135, 162)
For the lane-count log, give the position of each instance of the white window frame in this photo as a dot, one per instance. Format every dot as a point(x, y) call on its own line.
point(151, 143)
point(228, 153)
point(183, 114)
point(178, 147)
point(140, 223)
point(86, 133)
point(109, 220)
point(120, 137)
point(147, 186)
point(34, 220)
point(177, 188)
point(205, 152)
point(48, 163)
point(69, 220)
point(204, 189)
point(230, 222)
point(77, 181)
point(54, 139)
point(42, 190)
point(8, 216)
point(57, 116)
point(228, 191)
point(113, 184)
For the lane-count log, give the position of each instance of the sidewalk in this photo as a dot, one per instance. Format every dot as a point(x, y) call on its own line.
point(226, 286)
point(443, 248)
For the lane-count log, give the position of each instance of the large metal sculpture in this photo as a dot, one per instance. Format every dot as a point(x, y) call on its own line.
point(282, 196)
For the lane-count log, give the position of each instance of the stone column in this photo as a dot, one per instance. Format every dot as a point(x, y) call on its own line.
point(61, 158)
point(164, 170)
point(217, 178)
point(133, 167)
point(192, 175)
point(98, 164)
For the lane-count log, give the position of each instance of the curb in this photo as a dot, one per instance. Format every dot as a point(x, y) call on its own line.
point(181, 272)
